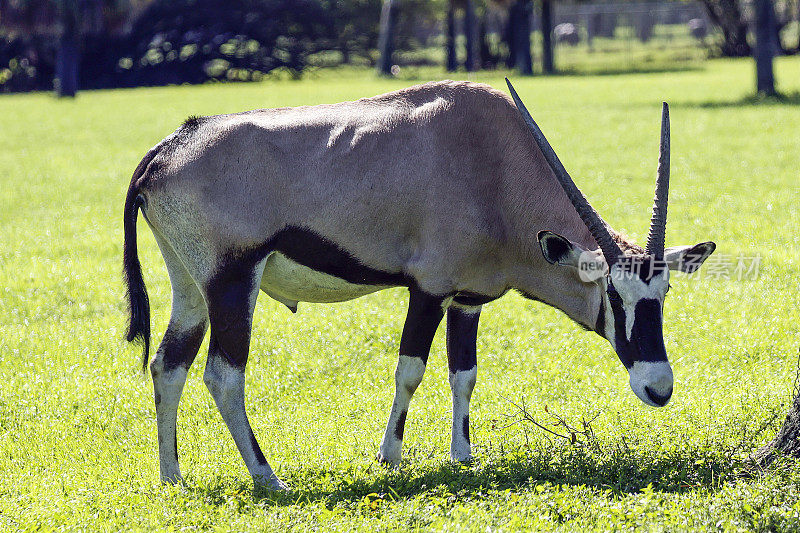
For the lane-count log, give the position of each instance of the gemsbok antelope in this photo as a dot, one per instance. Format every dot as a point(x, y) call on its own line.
point(445, 188)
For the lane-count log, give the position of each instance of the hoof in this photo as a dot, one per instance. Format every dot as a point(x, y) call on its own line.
point(172, 479)
point(392, 460)
point(270, 483)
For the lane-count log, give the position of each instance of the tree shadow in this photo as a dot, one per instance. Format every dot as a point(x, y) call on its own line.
point(620, 470)
point(784, 99)
point(628, 69)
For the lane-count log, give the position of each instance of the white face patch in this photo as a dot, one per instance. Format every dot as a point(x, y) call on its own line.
point(651, 382)
point(632, 289)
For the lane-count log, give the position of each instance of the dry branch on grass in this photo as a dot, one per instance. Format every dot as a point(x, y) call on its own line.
point(558, 426)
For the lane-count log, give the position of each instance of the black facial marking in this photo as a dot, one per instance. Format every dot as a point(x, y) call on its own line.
point(424, 314)
point(643, 267)
point(462, 334)
point(466, 427)
point(648, 331)
point(647, 336)
point(257, 449)
point(401, 425)
point(656, 398)
point(600, 324)
point(620, 340)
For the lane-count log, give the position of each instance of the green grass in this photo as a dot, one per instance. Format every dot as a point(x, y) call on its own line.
point(77, 422)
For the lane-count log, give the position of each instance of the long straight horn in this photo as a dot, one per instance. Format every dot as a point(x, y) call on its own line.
point(593, 222)
point(658, 223)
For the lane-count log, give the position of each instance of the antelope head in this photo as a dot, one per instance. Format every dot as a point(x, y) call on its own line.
point(632, 286)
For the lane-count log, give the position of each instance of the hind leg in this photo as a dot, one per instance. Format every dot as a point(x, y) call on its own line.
point(175, 354)
point(231, 301)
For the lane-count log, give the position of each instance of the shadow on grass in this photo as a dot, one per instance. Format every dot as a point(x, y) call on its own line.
point(421, 74)
point(786, 99)
point(619, 470)
point(628, 69)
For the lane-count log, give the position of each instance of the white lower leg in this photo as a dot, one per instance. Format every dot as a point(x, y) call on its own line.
point(226, 385)
point(462, 383)
point(407, 378)
point(167, 387)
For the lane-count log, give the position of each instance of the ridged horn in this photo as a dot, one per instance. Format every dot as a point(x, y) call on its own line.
point(593, 222)
point(658, 222)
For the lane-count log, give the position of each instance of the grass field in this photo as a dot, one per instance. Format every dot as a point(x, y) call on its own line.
point(77, 421)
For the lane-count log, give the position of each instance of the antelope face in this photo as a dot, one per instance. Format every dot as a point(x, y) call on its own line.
point(633, 288)
point(631, 304)
point(632, 318)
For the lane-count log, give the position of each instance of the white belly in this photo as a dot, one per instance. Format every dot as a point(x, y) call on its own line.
point(289, 282)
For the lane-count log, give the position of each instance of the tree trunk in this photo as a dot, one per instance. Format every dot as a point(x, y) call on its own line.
point(765, 46)
point(68, 55)
point(520, 35)
point(727, 15)
point(452, 60)
point(386, 38)
point(485, 56)
point(786, 442)
point(470, 32)
point(547, 37)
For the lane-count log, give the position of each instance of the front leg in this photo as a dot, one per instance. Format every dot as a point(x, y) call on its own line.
point(424, 314)
point(462, 334)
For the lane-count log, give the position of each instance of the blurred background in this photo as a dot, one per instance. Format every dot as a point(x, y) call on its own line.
point(67, 45)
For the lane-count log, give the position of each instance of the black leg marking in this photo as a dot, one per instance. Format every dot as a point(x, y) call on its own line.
point(231, 312)
point(424, 315)
point(231, 300)
point(400, 428)
point(473, 299)
point(180, 348)
point(257, 449)
point(462, 335)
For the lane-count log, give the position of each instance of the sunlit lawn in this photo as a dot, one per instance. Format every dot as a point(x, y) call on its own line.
point(77, 421)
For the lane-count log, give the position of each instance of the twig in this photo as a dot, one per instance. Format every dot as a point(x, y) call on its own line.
point(572, 434)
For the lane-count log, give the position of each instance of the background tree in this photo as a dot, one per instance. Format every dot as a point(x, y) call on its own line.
point(386, 39)
point(470, 35)
point(519, 36)
point(727, 15)
point(548, 65)
point(766, 46)
point(69, 21)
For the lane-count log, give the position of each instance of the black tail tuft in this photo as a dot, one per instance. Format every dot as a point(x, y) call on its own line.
point(138, 302)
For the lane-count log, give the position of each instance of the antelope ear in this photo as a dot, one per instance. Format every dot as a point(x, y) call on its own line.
point(558, 249)
point(688, 258)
